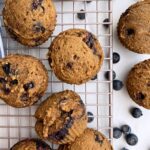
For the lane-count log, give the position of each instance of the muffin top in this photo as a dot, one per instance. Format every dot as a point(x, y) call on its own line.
point(138, 83)
point(133, 27)
point(31, 19)
point(89, 140)
point(31, 144)
point(23, 80)
point(56, 115)
point(75, 56)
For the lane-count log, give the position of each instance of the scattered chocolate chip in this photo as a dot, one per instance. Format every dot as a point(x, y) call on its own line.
point(81, 15)
point(14, 82)
point(130, 32)
point(94, 78)
point(2, 80)
point(36, 4)
point(6, 68)
point(90, 117)
point(6, 90)
point(106, 22)
point(69, 65)
point(38, 27)
point(140, 96)
point(28, 86)
point(38, 41)
point(97, 139)
point(24, 97)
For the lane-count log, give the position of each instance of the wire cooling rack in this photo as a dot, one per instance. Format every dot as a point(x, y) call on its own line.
point(17, 124)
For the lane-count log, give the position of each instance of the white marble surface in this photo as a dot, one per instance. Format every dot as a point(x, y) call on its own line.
point(122, 102)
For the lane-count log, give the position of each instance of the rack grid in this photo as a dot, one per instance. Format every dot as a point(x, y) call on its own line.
point(17, 124)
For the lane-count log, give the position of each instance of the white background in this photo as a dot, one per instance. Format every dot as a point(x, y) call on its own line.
point(122, 102)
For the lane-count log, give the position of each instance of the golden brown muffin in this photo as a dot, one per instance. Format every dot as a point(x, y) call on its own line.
point(31, 144)
point(133, 27)
point(23, 80)
point(31, 22)
point(61, 118)
point(75, 56)
point(138, 83)
point(89, 140)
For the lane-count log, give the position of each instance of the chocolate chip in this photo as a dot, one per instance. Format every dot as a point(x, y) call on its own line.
point(130, 32)
point(69, 65)
point(140, 96)
point(6, 68)
point(41, 145)
point(6, 90)
point(94, 78)
point(38, 27)
point(24, 97)
point(13, 82)
point(2, 80)
point(60, 135)
point(97, 139)
point(28, 86)
point(36, 4)
point(89, 40)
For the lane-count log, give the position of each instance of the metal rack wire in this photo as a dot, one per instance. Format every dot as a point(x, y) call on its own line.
point(17, 124)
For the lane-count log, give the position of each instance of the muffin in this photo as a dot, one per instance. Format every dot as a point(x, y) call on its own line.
point(31, 22)
point(61, 118)
point(75, 56)
point(23, 80)
point(133, 27)
point(89, 140)
point(31, 144)
point(138, 83)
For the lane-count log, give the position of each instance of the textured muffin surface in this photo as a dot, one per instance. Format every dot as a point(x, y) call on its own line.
point(61, 118)
point(138, 83)
point(30, 22)
point(23, 80)
point(75, 56)
point(133, 27)
point(31, 144)
point(89, 140)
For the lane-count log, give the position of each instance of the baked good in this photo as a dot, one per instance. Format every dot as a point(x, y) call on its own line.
point(89, 140)
point(75, 56)
point(138, 83)
point(31, 22)
point(23, 80)
point(31, 144)
point(61, 118)
point(133, 27)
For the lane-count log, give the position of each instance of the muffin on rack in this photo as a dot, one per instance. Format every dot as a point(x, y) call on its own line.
point(61, 118)
point(133, 27)
point(31, 22)
point(23, 80)
point(138, 83)
point(89, 140)
point(31, 144)
point(75, 56)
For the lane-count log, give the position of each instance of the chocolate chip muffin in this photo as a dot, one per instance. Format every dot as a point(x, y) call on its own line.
point(89, 140)
point(138, 83)
point(31, 22)
point(31, 144)
point(75, 56)
point(61, 118)
point(23, 80)
point(133, 27)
